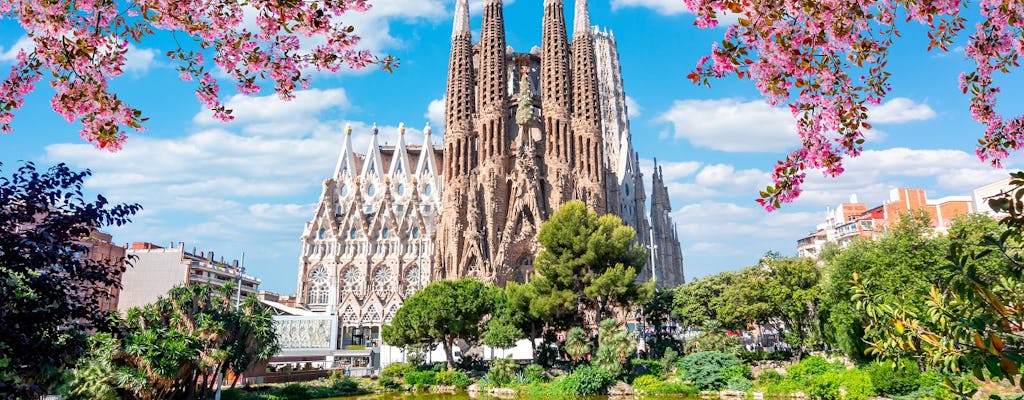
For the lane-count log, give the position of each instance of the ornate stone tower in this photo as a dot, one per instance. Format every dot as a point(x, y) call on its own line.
point(590, 163)
point(556, 103)
point(459, 149)
point(490, 193)
point(667, 257)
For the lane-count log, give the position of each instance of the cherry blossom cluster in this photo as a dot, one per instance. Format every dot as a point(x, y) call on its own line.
point(826, 60)
point(80, 45)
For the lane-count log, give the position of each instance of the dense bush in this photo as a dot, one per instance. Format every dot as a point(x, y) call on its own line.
point(761, 355)
point(892, 380)
point(705, 369)
point(649, 367)
point(646, 383)
point(809, 367)
point(420, 378)
point(676, 388)
point(503, 370)
point(455, 378)
point(769, 377)
point(294, 392)
point(396, 371)
point(534, 373)
point(585, 380)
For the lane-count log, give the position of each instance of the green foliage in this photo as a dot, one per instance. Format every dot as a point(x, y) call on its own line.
point(294, 392)
point(503, 329)
point(51, 293)
point(455, 378)
point(706, 369)
point(585, 380)
point(589, 255)
point(670, 388)
point(534, 373)
point(810, 367)
point(577, 344)
point(181, 340)
point(970, 319)
point(646, 383)
point(737, 377)
point(503, 371)
point(420, 378)
point(441, 313)
point(891, 380)
point(396, 370)
point(760, 355)
point(699, 301)
point(649, 367)
point(713, 337)
point(769, 377)
point(907, 257)
point(615, 348)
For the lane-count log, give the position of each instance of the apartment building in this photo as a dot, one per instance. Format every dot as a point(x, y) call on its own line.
point(155, 270)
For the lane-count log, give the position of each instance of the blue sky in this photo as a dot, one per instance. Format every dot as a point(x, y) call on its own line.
point(250, 185)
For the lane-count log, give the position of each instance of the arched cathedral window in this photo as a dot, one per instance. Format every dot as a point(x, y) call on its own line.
point(318, 292)
point(351, 279)
point(382, 279)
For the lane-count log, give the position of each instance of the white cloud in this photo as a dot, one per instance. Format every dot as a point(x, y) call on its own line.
point(435, 114)
point(732, 125)
point(664, 7)
point(11, 53)
point(270, 115)
point(900, 110)
point(728, 178)
point(138, 60)
point(633, 108)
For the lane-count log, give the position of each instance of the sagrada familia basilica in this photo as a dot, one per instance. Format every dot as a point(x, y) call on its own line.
point(524, 133)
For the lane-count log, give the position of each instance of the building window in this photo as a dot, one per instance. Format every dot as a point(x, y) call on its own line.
point(352, 233)
point(371, 190)
point(344, 190)
point(400, 189)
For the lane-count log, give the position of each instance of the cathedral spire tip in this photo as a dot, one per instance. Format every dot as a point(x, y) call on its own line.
point(401, 128)
point(461, 24)
point(581, 23)
point(373, 130)
point(348, 128)
point(427, 130)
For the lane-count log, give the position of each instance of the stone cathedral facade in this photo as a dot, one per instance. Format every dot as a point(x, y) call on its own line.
point(525, 132)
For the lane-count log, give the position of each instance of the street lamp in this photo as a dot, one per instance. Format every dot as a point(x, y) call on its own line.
point(238, 303)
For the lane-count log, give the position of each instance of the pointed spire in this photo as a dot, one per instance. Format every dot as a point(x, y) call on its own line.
point(400, 159)
point(372, 166)
point(461, 24)
point(581, 23)
point(347, 159)
point(425, 167)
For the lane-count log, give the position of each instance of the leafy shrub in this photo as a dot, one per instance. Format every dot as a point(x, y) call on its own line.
point(824, 386)
point(892, 380)
point(649, 367)
point(534, 373)
point(705, 369)
point(806, 369)
point(646, 383)
point(455, 378)
point(585, 380)
point(420, 378)
point(396, 371)
point(857, 384)
point(769, 377)
point(761, 355)
point(294, 392)
point(503, 370)
point(676, 388)
point(345, 386)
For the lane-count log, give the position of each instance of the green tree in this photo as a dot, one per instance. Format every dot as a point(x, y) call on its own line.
point(503, 328)
point(699, 301)
point(657, 312)
point(50, 289)
point(177, 346)
point(442, 312)
point(577, 344)
point(971, 320)
point(615, 348)
point(791, 296)
point(588, 263)
point(908, 257)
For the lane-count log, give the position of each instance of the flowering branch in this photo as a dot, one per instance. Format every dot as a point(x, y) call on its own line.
point(82, 45)
point(827, 60)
